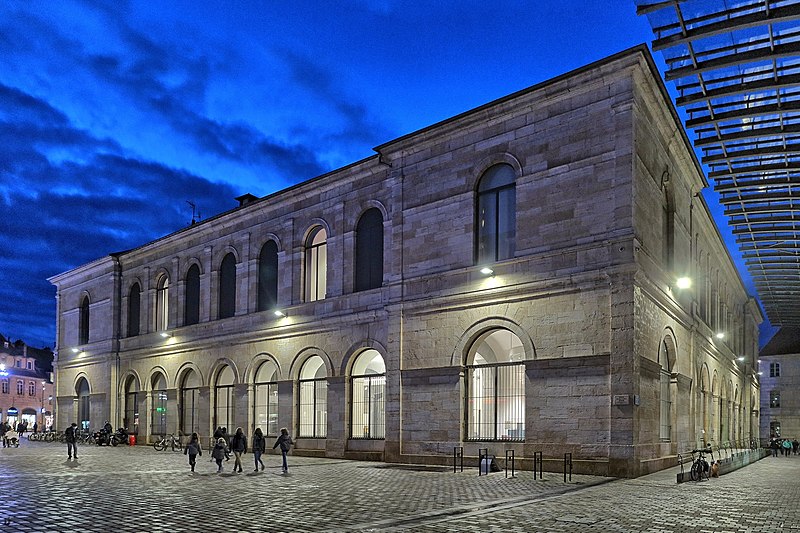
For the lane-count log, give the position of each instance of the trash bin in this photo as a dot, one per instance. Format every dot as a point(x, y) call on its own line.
point(131, 440)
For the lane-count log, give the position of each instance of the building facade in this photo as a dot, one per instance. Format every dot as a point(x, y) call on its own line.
point(26, 385)
point(780, 386)
point(504, 279)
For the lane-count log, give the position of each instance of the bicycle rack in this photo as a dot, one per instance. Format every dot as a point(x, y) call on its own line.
point(537, 459)
point(510, 454)
point(458, 457)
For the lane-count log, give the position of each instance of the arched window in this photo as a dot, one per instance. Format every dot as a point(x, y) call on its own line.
point(316, 265)
point(496, 387)
point(190, 403)
point(666, 358)
point(497, 214)
point(158, 397)
point(667, 230)
point(161, 312)
point(368, 388)
point(84, 403)
point(4, 384)
point(20, 387)
point(266, 404)
point(268, 276)
point(313, 407)
point(191, 305)
point(369, 250)
point(131, 418)
point(134, 306)
point(227, 286)
point(223, 399)
point(83, 334)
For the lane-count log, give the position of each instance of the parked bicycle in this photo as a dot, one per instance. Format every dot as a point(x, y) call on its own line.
point(700, 466)
point(168, 441)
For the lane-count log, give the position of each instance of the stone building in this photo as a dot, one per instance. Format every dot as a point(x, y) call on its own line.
point(780, 386)
point(26, 385)
point(504, 279)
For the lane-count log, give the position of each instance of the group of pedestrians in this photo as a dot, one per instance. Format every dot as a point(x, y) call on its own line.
point(786, 447)
point(237, 444)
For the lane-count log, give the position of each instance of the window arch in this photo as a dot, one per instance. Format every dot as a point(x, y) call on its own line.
point(223, 398)
point(83, 327)
point(266, 399)
point(227, 286)
point(313, 408)
point(191, 303)
point(268, 276)
point(130, 420)
point(369, 250)
point(316, 264)
point(496, 214)
point(134, 306)
point(666, 359)
point(161, 311)
point(495, 392)
point(20, 387)
point(368, 392)
point(158, 397)
point(190, 403)
point(84, 403)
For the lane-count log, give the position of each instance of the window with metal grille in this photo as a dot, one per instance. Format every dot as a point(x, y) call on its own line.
point(83, 403)
point(666, 408)
point(190, 404)
point(368, 390)
point(266, 399)
point(223, 400)
point(495, 388)
point(313, 400)
point(131, 419)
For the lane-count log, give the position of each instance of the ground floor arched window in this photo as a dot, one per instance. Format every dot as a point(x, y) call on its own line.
point(190, 403)
point(313, 408)
point(84, 404)
point(266, 398)
point(158, 410)
point(130, 418)
point(223, 399)
point(495, 387)
point(368, 391)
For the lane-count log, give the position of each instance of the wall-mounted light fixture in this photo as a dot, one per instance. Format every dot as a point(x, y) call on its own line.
point(740, 358)
point(486, 271)
point(278, 313)
point(683, 282)
point(719, 335)
point(75, 350)
point(165, 334)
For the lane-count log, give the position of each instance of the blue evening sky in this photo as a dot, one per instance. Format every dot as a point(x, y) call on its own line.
point(114, 114)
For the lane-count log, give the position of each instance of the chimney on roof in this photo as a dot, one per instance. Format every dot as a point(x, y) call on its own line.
point(246, 199)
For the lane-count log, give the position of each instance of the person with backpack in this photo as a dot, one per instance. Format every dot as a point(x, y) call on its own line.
point(284, 441)
point(69, 438)
point(193, 449)
point(219, 452)
point(259, 447)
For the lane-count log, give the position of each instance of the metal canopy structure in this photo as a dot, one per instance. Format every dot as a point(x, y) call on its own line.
point(736, 67)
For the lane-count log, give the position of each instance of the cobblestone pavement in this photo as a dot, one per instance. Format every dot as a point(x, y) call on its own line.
point(140, 490)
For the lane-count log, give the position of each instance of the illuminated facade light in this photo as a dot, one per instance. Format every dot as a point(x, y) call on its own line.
point(683, 282)
point(487, 271)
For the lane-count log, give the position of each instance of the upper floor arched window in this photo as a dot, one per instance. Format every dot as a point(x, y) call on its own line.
point(161, 311)
point(369, 250)
point(191, 304)
point(227, 286)
point(83, 326)
point(316, 264)
point(496, 214)
point(268, 276)
point(134, 306)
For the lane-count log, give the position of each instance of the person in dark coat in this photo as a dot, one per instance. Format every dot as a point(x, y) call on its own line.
point(259, 447)
point(219, 452)
point(284, 441)
point(238, 447)
point(69, 438)
point(193, 449)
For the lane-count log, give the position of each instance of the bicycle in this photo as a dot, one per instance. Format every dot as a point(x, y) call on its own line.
point(700, 467)
point(168, 441)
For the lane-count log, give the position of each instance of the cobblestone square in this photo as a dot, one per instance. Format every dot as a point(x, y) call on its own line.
point(137, 489)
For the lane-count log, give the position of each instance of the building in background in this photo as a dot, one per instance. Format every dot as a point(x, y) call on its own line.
point(780, 386)
point(537, 274)
point(26, 384)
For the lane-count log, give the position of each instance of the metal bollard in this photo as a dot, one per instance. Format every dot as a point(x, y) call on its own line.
point(567, 461)
point(481, 455)
point(458, 457)
point(510, 454)
point(537, 459)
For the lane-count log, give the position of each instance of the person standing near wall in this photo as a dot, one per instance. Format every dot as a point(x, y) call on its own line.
point(238, 447)
point(284, 441)
point(259, 447)
point(69, 438)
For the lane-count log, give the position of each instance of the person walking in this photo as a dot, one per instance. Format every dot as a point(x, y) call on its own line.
point(787, 447)
point(795, 445)
point(193, 449)
point(238, 447)
point(218, 453)
point(69, 438)
point(774, 447)
point(284, 441)
point(4, 428)
point(259, 447)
